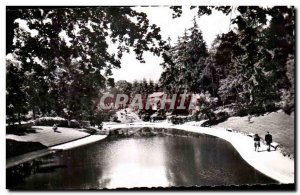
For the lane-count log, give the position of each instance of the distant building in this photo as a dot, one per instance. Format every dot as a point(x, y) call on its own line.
point(153, 99)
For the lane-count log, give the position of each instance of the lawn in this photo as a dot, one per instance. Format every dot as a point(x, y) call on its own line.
point(39, 137)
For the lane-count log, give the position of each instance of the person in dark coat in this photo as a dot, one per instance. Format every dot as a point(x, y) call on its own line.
point(54, 127)
point(256, 142)
point(268, 139)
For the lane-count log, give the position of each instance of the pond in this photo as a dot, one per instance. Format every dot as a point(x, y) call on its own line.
point(144, 161)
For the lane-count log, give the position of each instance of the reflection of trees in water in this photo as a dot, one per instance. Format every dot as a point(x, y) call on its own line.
point(190, 162)
point(67, 170)
point(84, 171)
point(179, 165)
point(208, 161)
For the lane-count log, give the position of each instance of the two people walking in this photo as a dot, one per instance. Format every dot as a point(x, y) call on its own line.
point(268, 140)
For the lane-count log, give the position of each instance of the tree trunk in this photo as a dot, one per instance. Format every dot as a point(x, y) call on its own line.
point(33, 114)
point(19, 118)
point(208, 116)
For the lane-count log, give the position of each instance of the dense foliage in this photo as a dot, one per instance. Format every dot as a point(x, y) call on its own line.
point(63, 60)
point(251, 67)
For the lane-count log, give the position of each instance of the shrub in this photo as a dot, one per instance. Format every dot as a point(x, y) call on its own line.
point(91, 130)
point(115, 119)
point(222, 115)
point(156, 117)
point(179, 119)
point(83, 124)
point(76, 124)
point(195, 116)
point(61, 122)
point(160, 114)
point(287, 103)
point(145, 117)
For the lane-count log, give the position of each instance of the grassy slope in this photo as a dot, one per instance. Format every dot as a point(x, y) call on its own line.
point(279, 124)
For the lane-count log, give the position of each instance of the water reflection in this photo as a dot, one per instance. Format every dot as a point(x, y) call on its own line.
point(135, 163)
point(147, 162)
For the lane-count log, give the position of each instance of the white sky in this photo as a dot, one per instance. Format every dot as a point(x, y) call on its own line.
point(210, 26)
point(131, 69)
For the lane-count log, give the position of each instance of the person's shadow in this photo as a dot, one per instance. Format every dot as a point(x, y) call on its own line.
point(267, 150)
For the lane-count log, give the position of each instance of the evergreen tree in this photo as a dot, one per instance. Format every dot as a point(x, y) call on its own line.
point(151, 87)
point(156, 87)
point(255, 74)
point(197, 72)
point(136, 88)
point(16, 104)
point(251, 65)
point(184, 64)
point(144, 87)
point(111, 82)
point(124, 87)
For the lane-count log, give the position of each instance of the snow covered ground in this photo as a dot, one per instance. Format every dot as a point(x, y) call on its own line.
point(272, 164)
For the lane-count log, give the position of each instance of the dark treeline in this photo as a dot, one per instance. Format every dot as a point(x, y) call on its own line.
point(143, 87)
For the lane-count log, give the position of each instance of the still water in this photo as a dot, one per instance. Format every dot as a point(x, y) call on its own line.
point(145, 162)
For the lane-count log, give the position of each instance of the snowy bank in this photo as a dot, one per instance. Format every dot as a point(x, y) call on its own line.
point(272, 164)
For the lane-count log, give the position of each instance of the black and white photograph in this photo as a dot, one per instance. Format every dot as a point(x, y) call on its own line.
point(150, 97)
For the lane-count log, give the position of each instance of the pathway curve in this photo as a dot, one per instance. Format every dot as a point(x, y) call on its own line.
point(272, 164)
